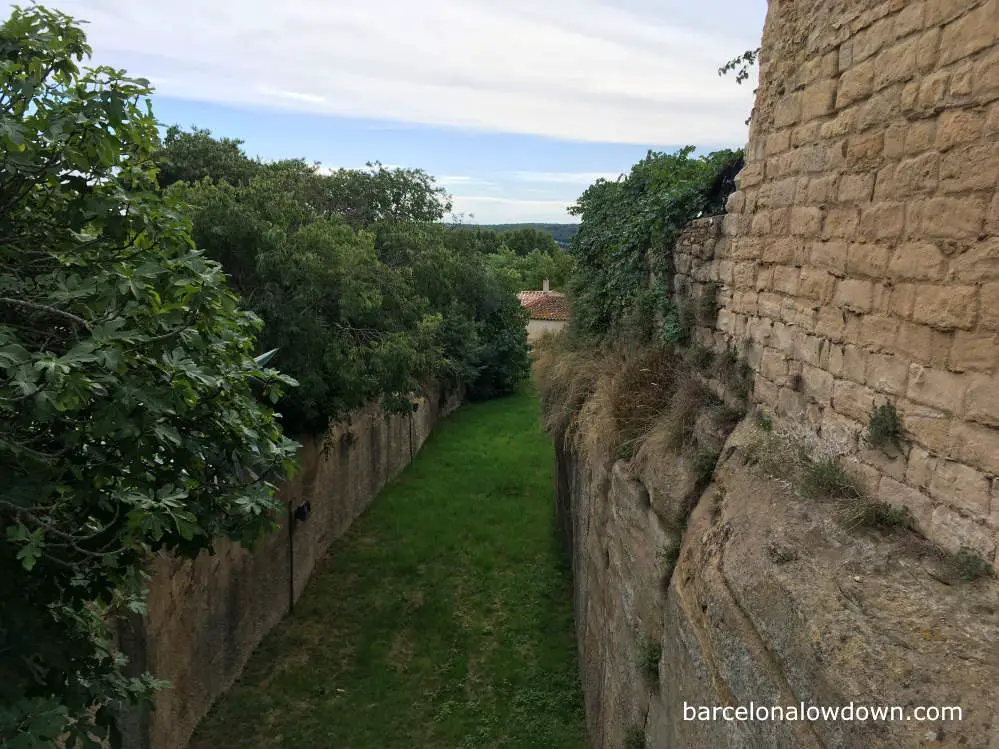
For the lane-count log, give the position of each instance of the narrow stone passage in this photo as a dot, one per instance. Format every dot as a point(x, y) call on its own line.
point(441, 621)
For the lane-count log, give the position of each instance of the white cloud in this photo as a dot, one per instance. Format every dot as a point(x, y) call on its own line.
point(577, 69)
point(496, 210)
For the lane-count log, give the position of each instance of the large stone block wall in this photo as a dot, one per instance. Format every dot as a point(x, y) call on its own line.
point(859, 259)
point(206, 616)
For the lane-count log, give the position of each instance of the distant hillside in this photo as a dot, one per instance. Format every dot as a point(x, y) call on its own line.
point(561, 233)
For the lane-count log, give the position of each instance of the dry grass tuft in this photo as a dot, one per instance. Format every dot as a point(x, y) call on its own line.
point(689, 399)
point(631, 394)
point(566, 378)
point(815, 467)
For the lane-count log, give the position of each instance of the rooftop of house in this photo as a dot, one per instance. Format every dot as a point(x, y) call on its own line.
point(545, 304)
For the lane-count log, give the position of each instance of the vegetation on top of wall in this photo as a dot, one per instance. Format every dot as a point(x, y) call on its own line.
point(621, 287)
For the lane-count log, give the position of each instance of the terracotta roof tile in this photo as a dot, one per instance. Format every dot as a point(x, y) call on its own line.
point(545, 305)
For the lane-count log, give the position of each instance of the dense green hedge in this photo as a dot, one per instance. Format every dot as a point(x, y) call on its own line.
point(366, 293)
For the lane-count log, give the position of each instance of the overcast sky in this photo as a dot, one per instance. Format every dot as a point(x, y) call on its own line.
point(515, 105)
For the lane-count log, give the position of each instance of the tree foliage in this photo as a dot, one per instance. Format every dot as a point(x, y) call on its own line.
point(527, 240)
point(130, 401)
point(623, 250)
point(364, 289)
point(524, 272)
point(741, 65)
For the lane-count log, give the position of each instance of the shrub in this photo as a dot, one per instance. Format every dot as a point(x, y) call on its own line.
point(131, 415)
point(968, 565)
point(651, 655)
point(884, 429)
point(634, 738)
point(705, 462)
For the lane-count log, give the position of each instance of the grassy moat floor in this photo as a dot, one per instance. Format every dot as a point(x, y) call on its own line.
point(442, 620)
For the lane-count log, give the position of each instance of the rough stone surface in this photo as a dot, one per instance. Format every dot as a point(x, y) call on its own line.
point(867, 216)
point(206, 616)
point(772, 602)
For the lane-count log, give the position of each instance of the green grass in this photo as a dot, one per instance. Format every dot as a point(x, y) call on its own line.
point(442, 620)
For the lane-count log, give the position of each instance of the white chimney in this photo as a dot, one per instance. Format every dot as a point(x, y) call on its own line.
point(544, 285)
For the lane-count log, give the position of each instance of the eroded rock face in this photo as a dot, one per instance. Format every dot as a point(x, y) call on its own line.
point(770, 601)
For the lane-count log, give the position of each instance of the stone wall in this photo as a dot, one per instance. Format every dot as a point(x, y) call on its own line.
point(205, 617)
point(768, 601)
point(859, 259)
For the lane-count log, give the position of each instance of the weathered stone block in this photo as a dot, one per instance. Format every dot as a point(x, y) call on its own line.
point(931, 93)
point(921, 467)
point(788, 110)
point(959, 126)
point(896, 64)
point(818, 383)
point(751, 174)
point(920, 136)
point(849, 362)
point(927, 426)
point(854, 294)
point(770, 304)
point(878, 332)
point(887, 373)
point(990, 306)
point(786, 279)
point(909, 20)
point(974, 352)
point(870, 41)
point(855, 84)
point(882, 220)
point(895, 140)
point(939, 12)
point(946, 218)
point(864, 150)
point(880, 109)
point(816, 284)
point(840, 223)
point(917, 261)
point(867, 260)
point(976, 445)
point(961, 486)
point(778, 142)
point(831, 255)
point(970, 33)
point(917, 175)
point(773, 366)
point(898, 494)
point(806, 222)
point(946, 307)
point(985, 80)
point(982, 401)
point(956, 531)
point(923, 344)
point(936, 388)
point(818, 99)
point(822, 189)
point(972, 167)
point(902, 299)
point(855, 188)
point(980, 263)
point(928, 50)
point(853, 400)
point(830, 323)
